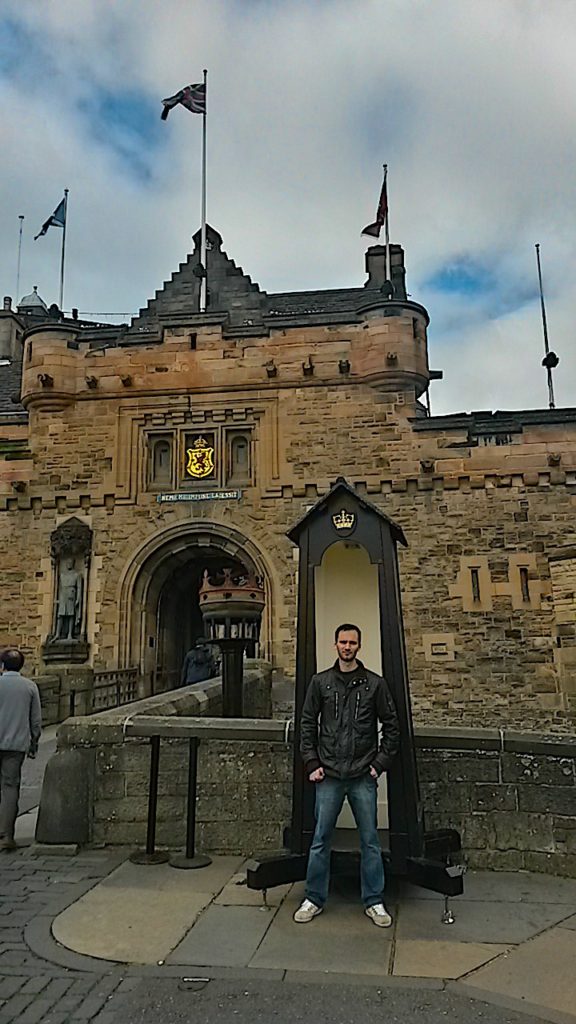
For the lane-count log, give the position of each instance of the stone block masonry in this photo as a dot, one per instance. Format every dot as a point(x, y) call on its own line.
point(512, 796)
point(317, 385)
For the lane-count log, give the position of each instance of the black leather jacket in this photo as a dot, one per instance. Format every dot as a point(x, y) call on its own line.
point(339, 723)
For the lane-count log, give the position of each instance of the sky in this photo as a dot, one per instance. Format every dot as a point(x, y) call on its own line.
point(469, 102)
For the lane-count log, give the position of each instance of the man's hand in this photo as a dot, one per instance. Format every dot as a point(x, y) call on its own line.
point(373, 772)
point(32, 750)
point(317, 775)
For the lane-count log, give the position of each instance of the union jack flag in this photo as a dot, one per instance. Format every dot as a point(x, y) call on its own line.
point(193, 97)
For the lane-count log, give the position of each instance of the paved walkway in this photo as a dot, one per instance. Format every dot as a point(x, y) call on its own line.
point(81, 935)
point(75, 930)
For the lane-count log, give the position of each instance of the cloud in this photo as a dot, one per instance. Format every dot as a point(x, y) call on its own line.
point(466, 102)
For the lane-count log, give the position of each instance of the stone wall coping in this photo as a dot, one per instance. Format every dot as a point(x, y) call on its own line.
point(502, 740)
point(166, 704)
point(257, 729)
point(111, 726)
point(540, 743)
point(458, 738)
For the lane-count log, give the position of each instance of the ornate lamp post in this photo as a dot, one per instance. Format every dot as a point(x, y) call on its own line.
point(231, 604)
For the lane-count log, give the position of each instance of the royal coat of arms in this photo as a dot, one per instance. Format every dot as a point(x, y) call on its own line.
point(200, 459)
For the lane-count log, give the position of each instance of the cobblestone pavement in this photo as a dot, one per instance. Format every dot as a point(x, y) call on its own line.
point(39, 980)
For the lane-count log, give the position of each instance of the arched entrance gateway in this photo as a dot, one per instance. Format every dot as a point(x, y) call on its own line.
point(158, 601)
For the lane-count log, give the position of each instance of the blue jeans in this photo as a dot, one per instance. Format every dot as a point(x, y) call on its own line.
point(362, 797)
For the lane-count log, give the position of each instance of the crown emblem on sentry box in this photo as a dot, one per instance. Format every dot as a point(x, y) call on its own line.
point(344, 520)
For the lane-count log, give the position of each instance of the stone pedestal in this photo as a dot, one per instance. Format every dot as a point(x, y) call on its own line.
point(73, 652)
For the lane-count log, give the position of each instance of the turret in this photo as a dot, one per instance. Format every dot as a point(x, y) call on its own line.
point(397, 355)
point(50, 367)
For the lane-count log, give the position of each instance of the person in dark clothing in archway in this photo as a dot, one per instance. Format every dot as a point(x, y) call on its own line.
point(199, 664)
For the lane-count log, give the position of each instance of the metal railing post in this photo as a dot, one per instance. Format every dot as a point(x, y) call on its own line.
point(191, 859)
point(150, 855)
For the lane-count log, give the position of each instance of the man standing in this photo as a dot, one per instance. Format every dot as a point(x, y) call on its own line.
point(344, 755)
point(20, 728)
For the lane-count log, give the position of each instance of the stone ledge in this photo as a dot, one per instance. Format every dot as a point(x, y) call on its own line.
point(259, 729)
point(54, 850)
point(536, 743)
point(456, 738)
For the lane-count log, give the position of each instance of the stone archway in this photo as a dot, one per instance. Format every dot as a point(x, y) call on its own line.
point(159, 614)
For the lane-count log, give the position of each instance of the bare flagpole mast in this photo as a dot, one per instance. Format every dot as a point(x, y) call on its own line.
point(204, 278)
point(63, 249)
point(550, 359)
point(21, 219)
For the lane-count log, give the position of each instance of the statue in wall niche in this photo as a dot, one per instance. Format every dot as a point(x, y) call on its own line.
point(71, 549)
point(70, 600)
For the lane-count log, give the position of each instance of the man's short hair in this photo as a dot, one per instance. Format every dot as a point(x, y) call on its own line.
point(344, 628)
point(12, 659)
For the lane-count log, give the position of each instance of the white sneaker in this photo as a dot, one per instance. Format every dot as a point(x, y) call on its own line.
point(306, 911)
point(379, 915)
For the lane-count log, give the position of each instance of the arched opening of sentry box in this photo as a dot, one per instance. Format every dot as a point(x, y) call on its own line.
point(346, 590)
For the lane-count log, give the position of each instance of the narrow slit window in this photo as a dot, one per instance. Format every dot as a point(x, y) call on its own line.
point(475, 577)
point(524, 584)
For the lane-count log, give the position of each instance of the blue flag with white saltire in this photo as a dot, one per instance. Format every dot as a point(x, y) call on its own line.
point(57, 220)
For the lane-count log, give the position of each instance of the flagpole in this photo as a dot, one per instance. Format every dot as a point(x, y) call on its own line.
point(63, 250)
point(203, 279)
point(21, 219)
point(547, 361)
point(387, 228)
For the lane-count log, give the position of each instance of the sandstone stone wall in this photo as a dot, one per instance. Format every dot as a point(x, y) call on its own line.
point(244, 795)
point(511, 796)
point(243, 788)
point(485, 514)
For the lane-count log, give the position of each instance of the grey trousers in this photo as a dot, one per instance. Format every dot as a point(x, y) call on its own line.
point(11, 762)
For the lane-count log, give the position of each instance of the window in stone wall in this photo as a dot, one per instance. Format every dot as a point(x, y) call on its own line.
point(239, 468)
point(473, 584)
point(524, 584)
point(160, 448)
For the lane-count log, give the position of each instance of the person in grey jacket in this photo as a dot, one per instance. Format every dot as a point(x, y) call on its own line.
point(20, 728)
point(344, 710)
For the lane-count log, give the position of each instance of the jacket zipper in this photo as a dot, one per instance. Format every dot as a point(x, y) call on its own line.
point(356, 710)
point(336, 703)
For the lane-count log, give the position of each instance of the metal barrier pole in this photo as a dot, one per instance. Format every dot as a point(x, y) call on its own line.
point(191, 859)
point(150, 855)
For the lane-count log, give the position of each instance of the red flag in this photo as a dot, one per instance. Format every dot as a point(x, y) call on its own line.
point(381, 213)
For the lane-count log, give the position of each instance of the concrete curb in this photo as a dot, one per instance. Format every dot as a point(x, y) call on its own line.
point(510, 1003)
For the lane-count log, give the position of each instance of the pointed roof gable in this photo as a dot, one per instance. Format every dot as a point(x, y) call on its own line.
point(230, 290)
point(343, 489)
